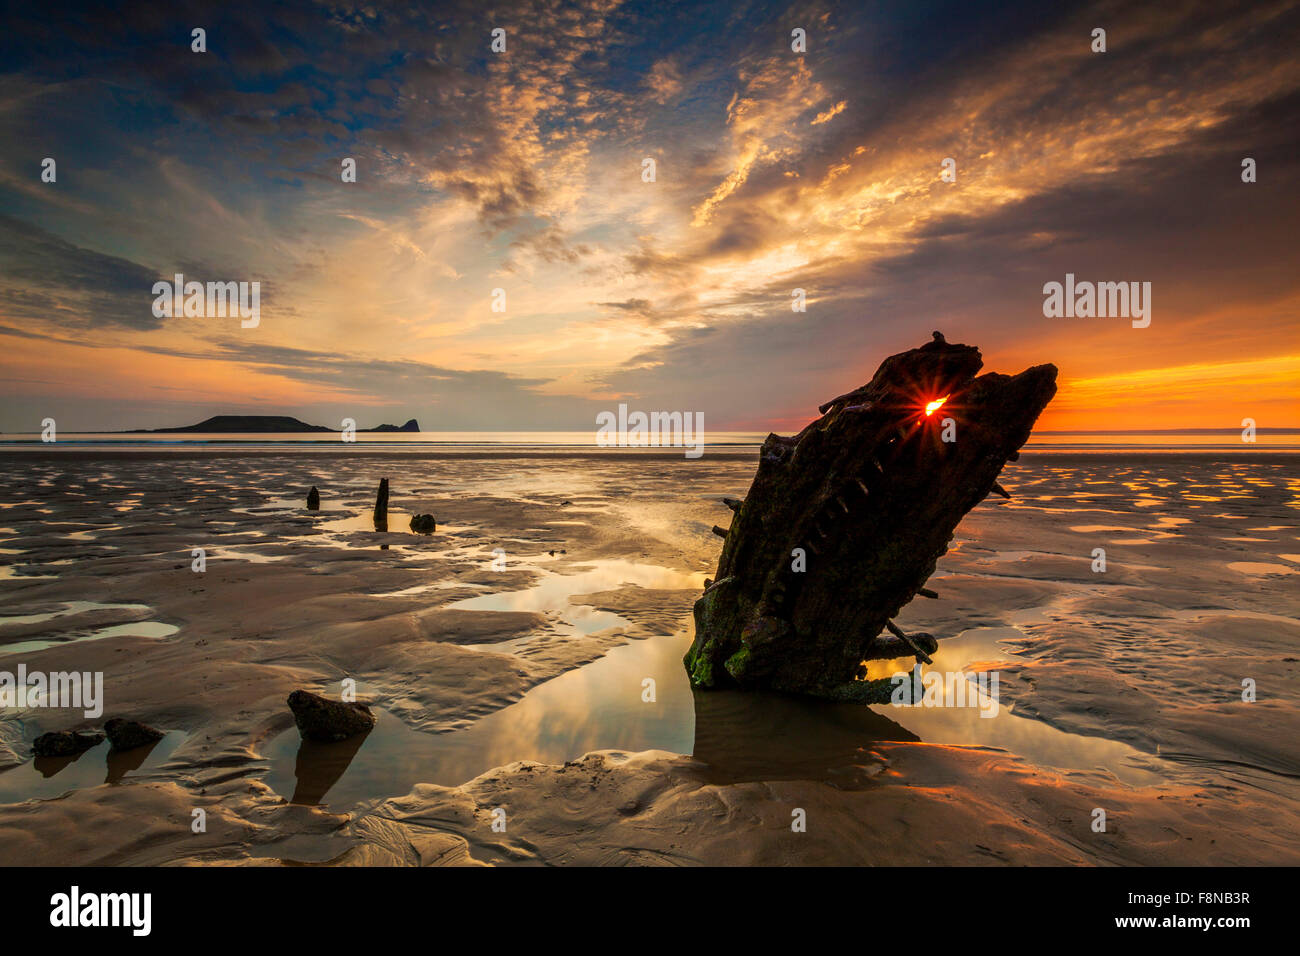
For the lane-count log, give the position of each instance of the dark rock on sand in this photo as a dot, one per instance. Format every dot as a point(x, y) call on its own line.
point(319, 718)
point(129, 734)
point(313, 499)
point(65, 743)
point(845, 522)
point(423, 524)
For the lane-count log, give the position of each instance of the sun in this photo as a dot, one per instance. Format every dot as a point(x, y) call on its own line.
point(930, 408)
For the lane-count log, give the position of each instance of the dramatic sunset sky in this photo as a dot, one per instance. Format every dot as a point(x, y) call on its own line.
point(522, 170)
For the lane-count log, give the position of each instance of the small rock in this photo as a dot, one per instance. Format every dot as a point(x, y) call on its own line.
point(423, 524)
point(313, 499)
point(65, 743)
point(319, 718)
point(129, 734)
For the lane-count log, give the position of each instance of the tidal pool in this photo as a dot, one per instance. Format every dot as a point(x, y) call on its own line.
point(637, 697)
point(44, 778)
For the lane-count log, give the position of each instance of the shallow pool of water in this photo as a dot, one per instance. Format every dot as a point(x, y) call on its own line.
point(44, 778)
point(603, 705)
point(73, 634)
point(607, 705)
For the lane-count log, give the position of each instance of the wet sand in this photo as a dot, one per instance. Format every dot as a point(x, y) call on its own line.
point(524, 689)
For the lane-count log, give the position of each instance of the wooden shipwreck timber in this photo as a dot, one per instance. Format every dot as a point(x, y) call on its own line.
point(845, 521)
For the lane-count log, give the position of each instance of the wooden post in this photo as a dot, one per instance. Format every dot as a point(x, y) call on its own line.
point(898, 633)
point(381, 506)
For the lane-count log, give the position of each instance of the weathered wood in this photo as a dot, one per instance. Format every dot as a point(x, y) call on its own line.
point(381, 506)
point(845, 399)
point(916, 648)
point(872, 509)
point(889, 647)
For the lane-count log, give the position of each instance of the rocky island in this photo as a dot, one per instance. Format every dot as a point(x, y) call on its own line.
point(219, 424)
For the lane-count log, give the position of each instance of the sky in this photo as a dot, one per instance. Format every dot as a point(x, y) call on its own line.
point(524, 170)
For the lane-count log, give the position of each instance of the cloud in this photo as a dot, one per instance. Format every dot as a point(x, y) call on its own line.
point(46, 279)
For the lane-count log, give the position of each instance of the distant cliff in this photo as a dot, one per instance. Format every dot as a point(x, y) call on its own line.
point(269, 423)
point(411, 426)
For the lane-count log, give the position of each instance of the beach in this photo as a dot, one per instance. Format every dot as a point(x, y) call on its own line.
point(506, 657)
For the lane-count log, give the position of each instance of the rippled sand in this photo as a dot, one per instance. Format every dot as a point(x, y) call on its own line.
point(546, 620)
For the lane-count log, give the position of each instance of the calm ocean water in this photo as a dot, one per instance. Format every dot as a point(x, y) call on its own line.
point(1224, 440)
